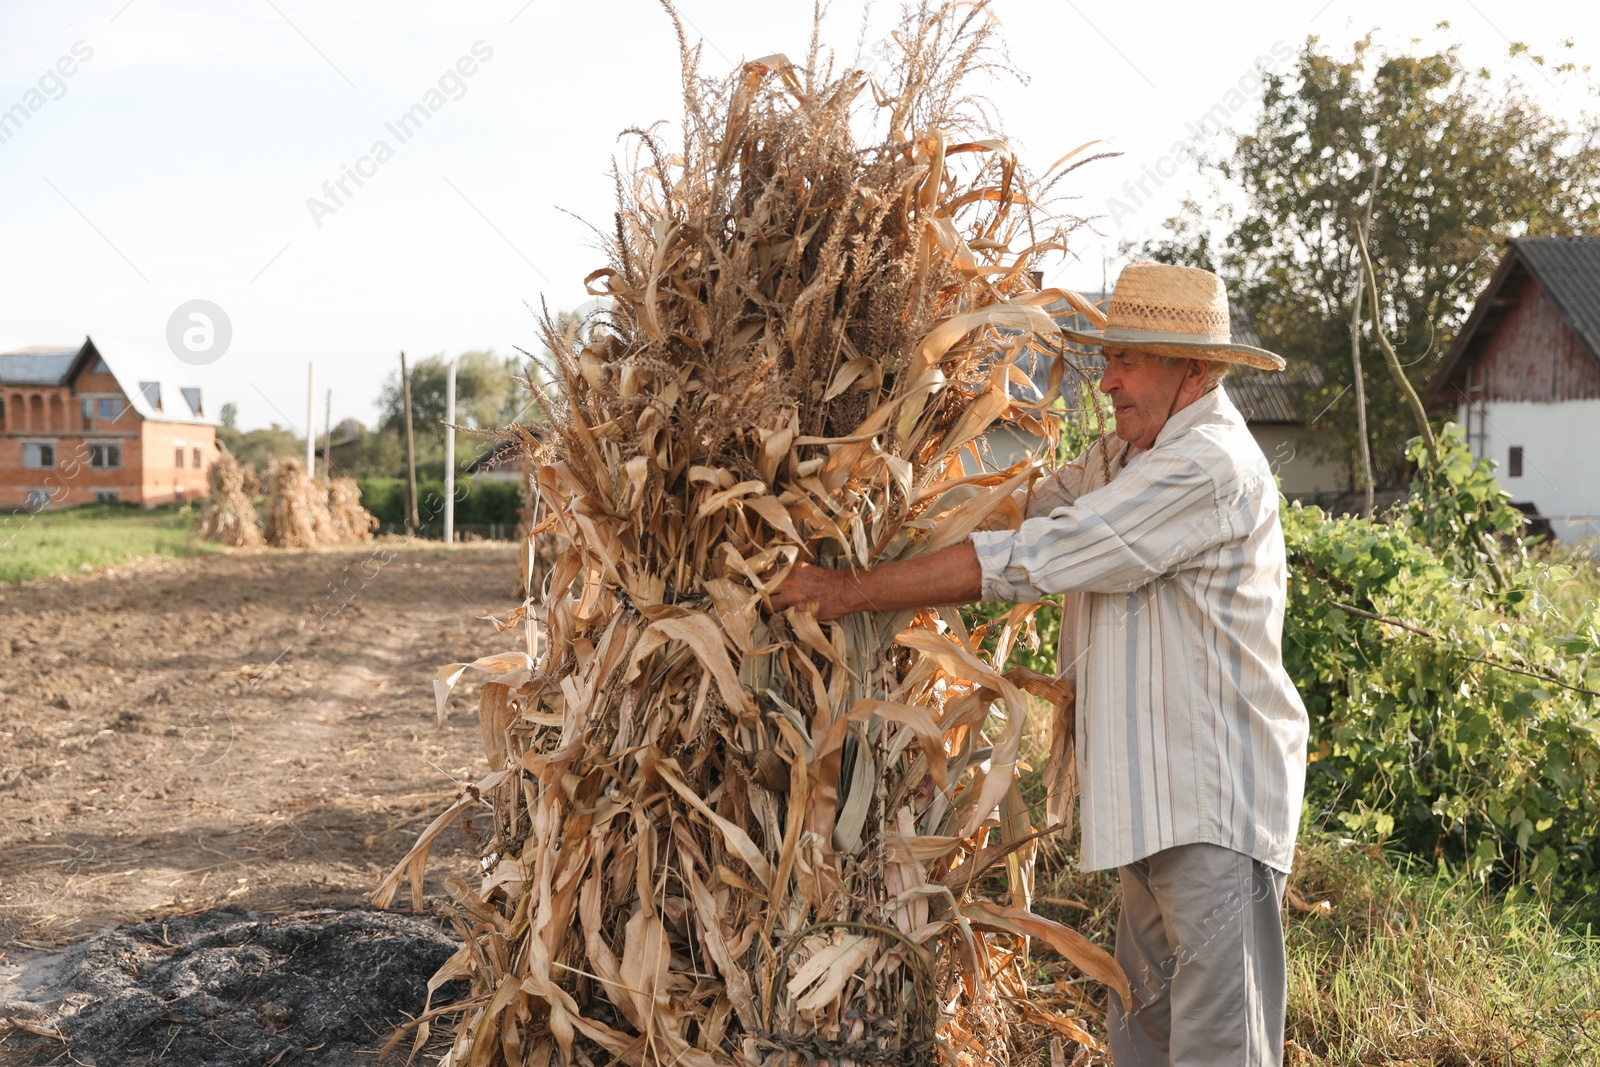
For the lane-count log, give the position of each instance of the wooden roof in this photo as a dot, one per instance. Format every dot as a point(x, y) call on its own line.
point(1568, 269)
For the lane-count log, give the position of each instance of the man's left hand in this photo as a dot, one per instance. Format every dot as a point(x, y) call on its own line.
point(951, 576)
point(819, 590)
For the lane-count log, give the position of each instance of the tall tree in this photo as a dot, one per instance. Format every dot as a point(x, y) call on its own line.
point(1464, 160)
point(484, 389)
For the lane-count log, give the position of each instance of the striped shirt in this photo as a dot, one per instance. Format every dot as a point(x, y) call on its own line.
point(1189, 730)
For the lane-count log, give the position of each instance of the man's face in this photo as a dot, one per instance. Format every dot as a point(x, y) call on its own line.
point(1144, 392)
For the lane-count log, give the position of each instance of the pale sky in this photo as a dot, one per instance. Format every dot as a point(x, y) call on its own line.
point(176, 161)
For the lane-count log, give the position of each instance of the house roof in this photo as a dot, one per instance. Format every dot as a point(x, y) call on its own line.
point(39, 365)
point(1568, 268)
point(504, 453)
point(1271, 396)
point(180, 399)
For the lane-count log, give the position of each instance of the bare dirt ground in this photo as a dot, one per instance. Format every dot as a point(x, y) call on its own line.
point(251, 730)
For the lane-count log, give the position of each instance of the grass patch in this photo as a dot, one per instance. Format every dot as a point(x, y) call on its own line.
point(1410, 965)
point(1422, 965)
point(96, 535)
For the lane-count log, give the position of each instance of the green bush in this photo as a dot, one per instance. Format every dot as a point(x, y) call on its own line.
point(385, 498)
point(1453, 725)
point(477, 503)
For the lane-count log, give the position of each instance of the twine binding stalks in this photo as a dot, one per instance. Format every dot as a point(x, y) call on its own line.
point(228, 516)
point(722, 835)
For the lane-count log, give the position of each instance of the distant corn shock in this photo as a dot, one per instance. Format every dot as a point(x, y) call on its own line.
point(302, 512)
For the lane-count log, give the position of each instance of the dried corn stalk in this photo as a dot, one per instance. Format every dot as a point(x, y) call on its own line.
point(348, 521)
point(536, 549)
point(228, 516)
point(250, 480)
point(297, 508)
point(723, 835)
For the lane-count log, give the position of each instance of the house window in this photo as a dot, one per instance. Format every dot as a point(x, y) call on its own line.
point(105, 456)
point(1516, 462)
point(38, 456)
point(86, 409)
point(2, 411)
point(110, 408)
point(196, 458)
point(152, 393)
point(192, 398)
point(177, 457)
point(105, 496)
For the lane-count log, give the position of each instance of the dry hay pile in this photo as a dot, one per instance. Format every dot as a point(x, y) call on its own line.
point(348, 521)
point(251, 479)
point(297, 508)
point(228, 516)
point(723, 835)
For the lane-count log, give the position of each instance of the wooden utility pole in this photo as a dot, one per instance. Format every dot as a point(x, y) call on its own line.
point(327, 436)
point(411, 451)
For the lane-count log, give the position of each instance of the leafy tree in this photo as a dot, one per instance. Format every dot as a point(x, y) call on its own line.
point(230, 415)
point(484, 393)
point(257, 448)
point(1463, 162)
point(373, 453)
point(487, 397)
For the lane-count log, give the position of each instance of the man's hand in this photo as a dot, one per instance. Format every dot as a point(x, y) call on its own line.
point(949, 577)
point(819, 590)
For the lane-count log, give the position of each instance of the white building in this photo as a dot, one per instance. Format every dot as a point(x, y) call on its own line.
point(1523, 380)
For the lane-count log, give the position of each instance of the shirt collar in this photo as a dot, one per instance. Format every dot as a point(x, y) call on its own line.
point(1214, 406)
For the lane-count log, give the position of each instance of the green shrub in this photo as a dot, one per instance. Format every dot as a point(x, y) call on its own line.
point(477, 503)
point(385, 498)
point(1457, 729)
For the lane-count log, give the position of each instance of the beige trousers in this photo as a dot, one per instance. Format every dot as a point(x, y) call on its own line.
point(1201, 940)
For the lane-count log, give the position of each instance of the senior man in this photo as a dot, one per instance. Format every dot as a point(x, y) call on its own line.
point(1191, 738)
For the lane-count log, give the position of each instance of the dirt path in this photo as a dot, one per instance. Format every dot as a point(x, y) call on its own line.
point(251, 730)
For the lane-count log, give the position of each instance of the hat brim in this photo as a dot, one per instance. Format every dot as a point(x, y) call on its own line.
point(1248, 355)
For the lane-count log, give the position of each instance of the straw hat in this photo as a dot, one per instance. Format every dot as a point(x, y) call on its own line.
point(1171, 311)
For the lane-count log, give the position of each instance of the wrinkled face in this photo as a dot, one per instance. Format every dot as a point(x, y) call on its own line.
point(1145, 391)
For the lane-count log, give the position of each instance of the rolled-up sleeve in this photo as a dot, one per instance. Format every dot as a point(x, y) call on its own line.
point(1157, 515)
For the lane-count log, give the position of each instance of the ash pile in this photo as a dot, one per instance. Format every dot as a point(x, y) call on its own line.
point(228, 987)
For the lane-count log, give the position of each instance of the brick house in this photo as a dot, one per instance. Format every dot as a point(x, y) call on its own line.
point(77, 426)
